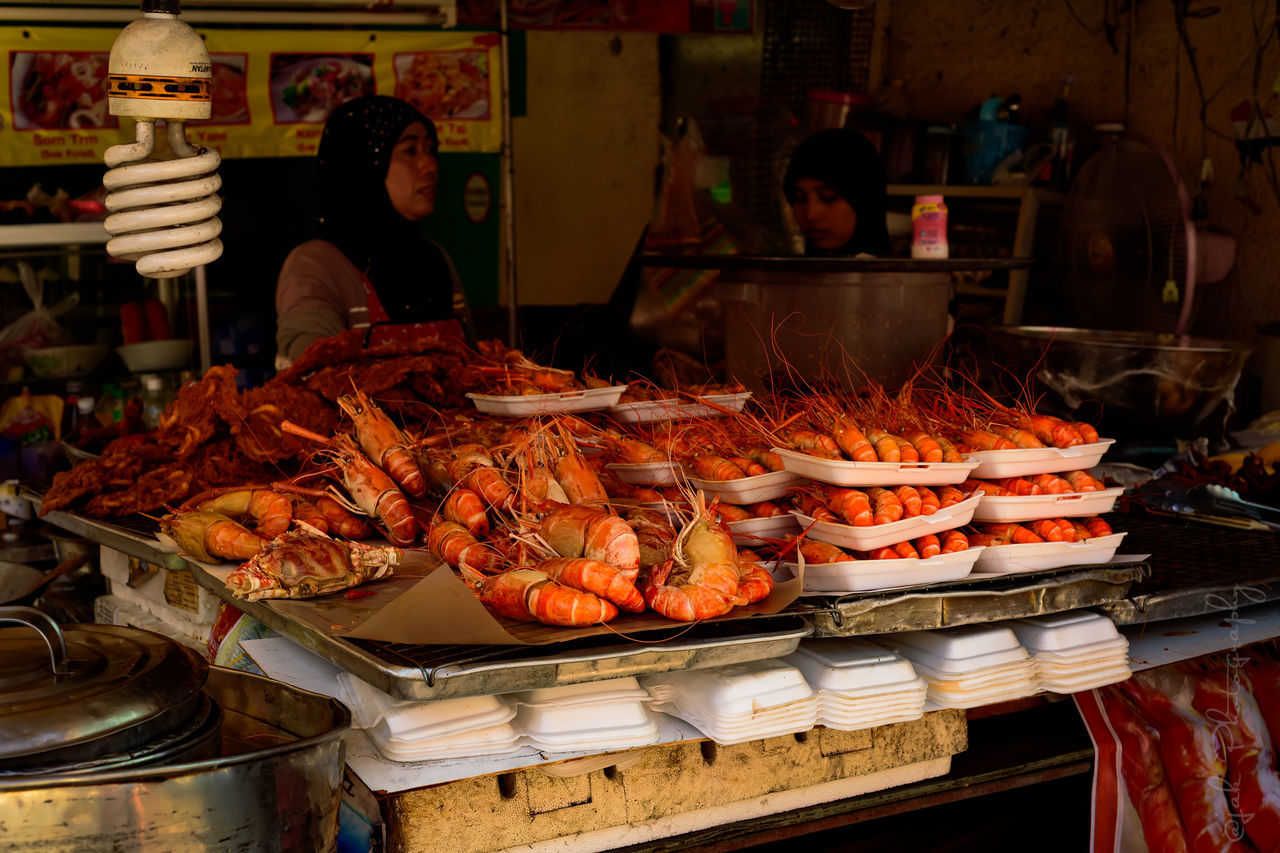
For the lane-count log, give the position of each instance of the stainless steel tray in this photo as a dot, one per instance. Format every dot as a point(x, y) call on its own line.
point(446, 672)
point(131, 542)
point(971, 600)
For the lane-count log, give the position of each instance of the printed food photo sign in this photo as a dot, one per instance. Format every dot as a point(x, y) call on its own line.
point(272, 89)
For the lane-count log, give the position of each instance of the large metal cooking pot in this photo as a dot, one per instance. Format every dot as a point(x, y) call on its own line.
point(840, 326)
point(1148, 385)
point(274, 783)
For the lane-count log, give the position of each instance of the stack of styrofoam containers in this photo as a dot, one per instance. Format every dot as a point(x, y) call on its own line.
point(594, 715)
point(405, 730)
point(740, 702)
point(862, 574)
point(859, 684)
point(188, 619)
point(1074, 651)
point(968, 666)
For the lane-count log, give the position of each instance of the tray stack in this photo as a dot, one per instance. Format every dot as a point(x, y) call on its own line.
point(859, 685)
point(740, 703)
point(968, 666)
point(1074, 651)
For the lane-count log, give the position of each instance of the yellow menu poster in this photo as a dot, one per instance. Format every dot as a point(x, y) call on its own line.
point(272, 89)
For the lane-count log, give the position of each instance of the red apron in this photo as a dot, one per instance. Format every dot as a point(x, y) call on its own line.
point(383, 331)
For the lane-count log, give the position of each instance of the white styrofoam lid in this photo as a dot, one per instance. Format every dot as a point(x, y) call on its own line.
point(1117, 648)
point(435, 717)
point(798, 714)
point(963, 641)
point(737, 689)
point(587, 692)
point(849, 663)
point(852, 707)
point(501, 734)
point(592, 722)
point(1059, 631)
point(982, 676)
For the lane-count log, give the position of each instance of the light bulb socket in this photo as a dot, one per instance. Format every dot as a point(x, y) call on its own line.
point(169, 7)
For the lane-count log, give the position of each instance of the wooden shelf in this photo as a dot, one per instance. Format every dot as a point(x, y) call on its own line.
point(53, 234)
point(1028, 200)
point(1004, 191)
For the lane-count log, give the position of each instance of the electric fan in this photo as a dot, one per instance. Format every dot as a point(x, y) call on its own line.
point(1129, 244)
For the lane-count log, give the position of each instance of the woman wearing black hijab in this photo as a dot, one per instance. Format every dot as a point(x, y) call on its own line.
point(377, 172)
point(835, 184)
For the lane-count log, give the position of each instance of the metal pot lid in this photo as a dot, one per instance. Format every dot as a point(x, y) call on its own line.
point(83, 683)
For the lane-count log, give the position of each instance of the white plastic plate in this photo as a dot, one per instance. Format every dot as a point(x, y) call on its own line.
point(1033, 556)
point(673, 409)
point(840, 472)
point(1028, 461)
point(750, 530)
point(1064, 632)
point(646, 473)
point(1032, 507)
point(863, 575)
point(748, 490)
point(880, 535)
point(544, 404)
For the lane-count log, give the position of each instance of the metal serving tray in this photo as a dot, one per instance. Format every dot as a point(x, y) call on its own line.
point(445, 672)
point(135, 543)
point(1200, 568)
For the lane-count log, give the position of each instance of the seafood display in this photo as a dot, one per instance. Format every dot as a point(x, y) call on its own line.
point(567, 519)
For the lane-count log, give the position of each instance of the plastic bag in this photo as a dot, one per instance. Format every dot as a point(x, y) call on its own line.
point(39, 327)
point(675, 218)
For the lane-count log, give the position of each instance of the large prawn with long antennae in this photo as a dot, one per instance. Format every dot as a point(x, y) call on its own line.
point(700, 581)
point(384, 442)
point(372, 491)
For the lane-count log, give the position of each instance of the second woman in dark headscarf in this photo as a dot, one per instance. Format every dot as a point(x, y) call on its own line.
point(836, 186)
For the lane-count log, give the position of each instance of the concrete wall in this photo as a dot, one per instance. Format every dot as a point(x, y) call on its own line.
point(584, 158)
point(952, 54)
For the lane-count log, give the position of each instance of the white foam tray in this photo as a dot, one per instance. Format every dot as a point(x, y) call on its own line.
point(1000, 508)
point(847, 664)
point(646, 473)
point(865, 575)
point(588, 400)
point(587, 693)
point(584, 726)
point(958, 643)
point(840, 472)
point(748, 490)
point(1028, 461)
point(495, 740)
point(1065, 632)
point(1033, 556)
point(880, 535)
point(734, 690)
point(672, 408)
point(749, 531)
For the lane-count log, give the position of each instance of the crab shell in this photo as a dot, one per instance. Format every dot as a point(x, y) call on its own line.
point(299, 564)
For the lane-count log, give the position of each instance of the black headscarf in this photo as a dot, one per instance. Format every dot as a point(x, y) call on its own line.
point(846, 161)
point(409, 273)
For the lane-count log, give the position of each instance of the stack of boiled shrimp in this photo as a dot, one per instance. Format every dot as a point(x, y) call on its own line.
point(514, 506)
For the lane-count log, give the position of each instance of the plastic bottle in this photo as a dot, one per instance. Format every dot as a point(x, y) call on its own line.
point(82, 416)
point(153, 400)
point(929, 227)
point(1060, 137)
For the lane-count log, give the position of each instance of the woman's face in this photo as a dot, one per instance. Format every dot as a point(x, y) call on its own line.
point(824, 216)
point(411, 174)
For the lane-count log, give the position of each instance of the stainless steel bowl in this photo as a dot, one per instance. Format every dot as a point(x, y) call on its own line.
point(1145, 385)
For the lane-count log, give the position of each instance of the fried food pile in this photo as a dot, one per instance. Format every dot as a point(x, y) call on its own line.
point(214, 435)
